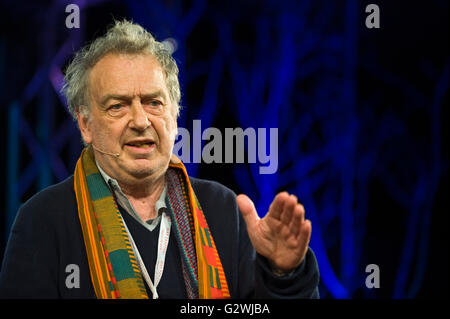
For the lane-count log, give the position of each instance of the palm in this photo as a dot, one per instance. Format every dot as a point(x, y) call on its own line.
point(283, 235)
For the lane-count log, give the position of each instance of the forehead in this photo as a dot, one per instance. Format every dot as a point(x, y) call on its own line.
point(126, 74)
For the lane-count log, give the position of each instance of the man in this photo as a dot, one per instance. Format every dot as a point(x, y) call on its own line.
point(130, 222)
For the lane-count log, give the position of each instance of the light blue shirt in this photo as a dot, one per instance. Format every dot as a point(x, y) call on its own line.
point(124, 202)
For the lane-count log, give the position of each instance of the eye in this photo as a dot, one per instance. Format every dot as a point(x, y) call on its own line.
point(155, 103)
point(117, 109)
point(153, 106)
point(116, 106)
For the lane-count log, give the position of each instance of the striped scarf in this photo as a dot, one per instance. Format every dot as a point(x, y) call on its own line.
point(112, 262)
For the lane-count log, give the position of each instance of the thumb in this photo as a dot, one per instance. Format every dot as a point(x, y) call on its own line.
point(248, 211)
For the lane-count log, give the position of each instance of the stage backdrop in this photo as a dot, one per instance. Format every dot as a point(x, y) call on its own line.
point(342, 103)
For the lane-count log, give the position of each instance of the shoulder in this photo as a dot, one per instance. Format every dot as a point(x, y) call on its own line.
point(58, 197)
point(217, 200)
point(40, 217)
point(212, 191)
point(53, 195)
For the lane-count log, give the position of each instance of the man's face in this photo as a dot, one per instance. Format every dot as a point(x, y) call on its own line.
point(130, 114)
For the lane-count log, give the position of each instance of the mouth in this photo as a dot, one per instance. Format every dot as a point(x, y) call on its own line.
point(141, 144)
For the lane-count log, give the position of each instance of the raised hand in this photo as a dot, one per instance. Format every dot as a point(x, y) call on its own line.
point(283, 235)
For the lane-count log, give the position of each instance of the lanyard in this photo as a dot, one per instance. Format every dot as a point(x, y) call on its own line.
point(163, 242)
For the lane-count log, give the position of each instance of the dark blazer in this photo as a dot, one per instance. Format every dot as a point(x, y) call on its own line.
point(46, 237)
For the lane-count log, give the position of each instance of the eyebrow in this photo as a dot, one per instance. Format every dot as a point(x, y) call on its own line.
point(122, 97)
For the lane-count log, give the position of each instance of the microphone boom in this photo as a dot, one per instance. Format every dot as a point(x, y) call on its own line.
point(112, 154)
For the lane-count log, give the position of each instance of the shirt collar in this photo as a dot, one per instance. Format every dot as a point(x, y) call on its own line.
point(112, 183)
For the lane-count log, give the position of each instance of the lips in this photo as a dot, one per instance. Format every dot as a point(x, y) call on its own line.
point(143, 144)
point(140, 145)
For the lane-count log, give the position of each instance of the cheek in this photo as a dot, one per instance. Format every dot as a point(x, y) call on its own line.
point(172, 130)
point(108, 132)
point(166, 130)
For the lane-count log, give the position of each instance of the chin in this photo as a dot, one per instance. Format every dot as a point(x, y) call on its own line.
point(143, 171)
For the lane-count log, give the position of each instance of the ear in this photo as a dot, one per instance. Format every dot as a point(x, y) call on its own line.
point(84, 125)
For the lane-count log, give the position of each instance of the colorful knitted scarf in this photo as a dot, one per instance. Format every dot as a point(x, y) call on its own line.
point(112, 263)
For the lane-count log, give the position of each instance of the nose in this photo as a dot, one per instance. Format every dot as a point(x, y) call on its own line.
point(139, 118)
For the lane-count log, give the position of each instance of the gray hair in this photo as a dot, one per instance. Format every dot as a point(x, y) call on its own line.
point(123, 37)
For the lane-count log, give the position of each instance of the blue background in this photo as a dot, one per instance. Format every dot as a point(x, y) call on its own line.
point(362, 116)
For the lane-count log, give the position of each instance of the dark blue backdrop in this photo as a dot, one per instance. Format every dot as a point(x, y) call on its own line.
point(362, 117)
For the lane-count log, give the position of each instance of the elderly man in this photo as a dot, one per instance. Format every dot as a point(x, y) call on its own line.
point(130, 222)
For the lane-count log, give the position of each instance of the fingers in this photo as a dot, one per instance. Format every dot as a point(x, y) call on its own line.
point(289, 215)
point(306, 228)
point(248, 210)
point(283, 207)
point(293, 215)
point(277, 206)
point(288, 209)
point(298, 217)
point(305, 234)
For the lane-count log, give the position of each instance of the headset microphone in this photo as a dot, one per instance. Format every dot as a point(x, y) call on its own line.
point(112, 154)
